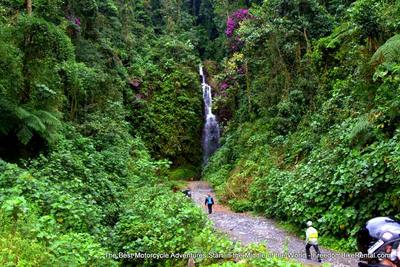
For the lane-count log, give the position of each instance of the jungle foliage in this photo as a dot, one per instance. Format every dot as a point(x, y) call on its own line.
point(311, 93)
point(98, 99)
point(101, 115)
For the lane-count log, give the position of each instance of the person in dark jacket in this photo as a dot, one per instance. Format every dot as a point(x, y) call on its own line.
point(379, 243)
point(209, 202)
point(187, 193)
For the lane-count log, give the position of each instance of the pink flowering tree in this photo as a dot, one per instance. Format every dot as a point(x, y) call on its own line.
point(74, 26)
point(232, 23)
point(235, 44)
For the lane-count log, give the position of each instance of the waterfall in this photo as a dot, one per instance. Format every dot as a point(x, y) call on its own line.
point(210, 140)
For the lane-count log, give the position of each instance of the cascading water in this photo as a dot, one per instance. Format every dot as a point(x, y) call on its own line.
point(211, 127)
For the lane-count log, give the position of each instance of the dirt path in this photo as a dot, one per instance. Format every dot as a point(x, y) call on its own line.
point(247, 229)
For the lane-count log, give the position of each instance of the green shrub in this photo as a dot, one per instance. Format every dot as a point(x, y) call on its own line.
point(85, 251)
point(240, 205)
point(39, 39)
point(156, 220)
point(187, 172)
point(18, 250)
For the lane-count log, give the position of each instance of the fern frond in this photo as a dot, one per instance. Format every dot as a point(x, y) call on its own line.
point(388, 52)
point(30, 119)
point(48, 118)
point(360, 127)
point(52, 125)
point(24, 135)
point(22, 113)
point(340, 35)
point(35, 123)
point(6, 103)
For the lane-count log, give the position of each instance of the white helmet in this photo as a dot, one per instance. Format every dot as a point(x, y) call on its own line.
point(309, 223)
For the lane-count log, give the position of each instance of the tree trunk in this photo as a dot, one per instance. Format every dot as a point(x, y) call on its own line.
point(28, 4)
point(248, 89)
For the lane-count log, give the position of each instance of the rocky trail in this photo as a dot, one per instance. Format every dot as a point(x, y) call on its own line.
point(247, 229)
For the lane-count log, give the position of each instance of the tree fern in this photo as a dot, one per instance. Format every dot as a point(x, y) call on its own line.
point(52, 124)
point(362, 132)
point(388, 52)
point(341, 34)
point(24, 135)
point(48, 118)
point(41, 122)
point(30, 119)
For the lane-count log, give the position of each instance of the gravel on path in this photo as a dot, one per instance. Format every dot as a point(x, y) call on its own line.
point(247, 229)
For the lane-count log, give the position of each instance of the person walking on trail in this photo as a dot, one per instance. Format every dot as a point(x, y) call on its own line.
point(312, 241)
point(209, 202)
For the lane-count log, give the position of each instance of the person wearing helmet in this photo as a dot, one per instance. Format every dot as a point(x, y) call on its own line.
point(312, 240)
point(378, 241)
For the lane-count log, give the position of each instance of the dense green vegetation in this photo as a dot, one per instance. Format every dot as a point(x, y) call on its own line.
point(101, 119)
point(98, 100)
point(311, 91)
point(71, 59)
point(86, 89)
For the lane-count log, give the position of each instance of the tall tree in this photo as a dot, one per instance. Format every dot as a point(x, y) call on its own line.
point(28, 4)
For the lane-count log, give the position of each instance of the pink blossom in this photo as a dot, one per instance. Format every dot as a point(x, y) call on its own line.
point(230, 27)
point(78, 22)
point(139, 96)
point(232, 23)
point(134, 83)
point(224, 85)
